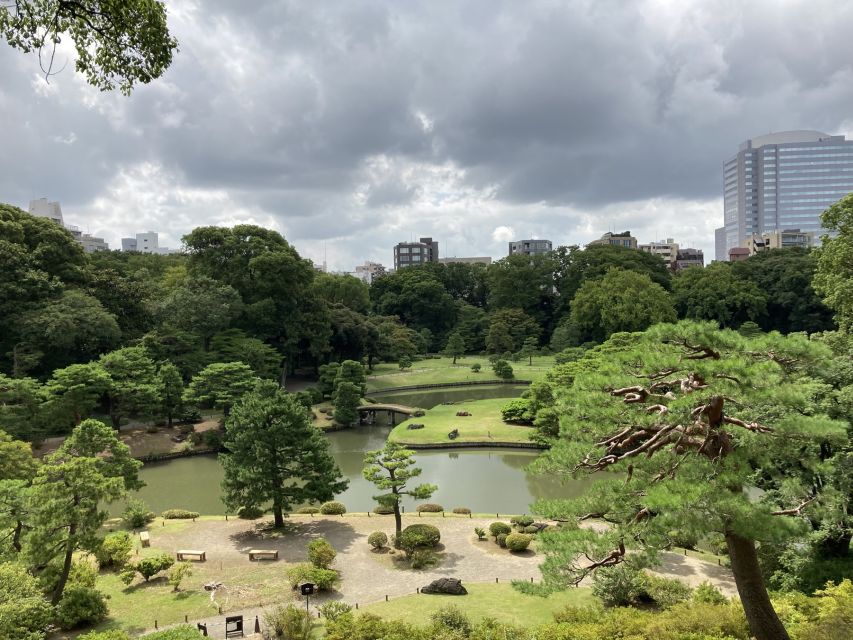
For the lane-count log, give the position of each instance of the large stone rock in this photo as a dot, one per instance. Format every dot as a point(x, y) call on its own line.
point(448, 586)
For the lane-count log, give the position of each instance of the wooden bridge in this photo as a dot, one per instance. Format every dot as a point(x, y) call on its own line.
point(391, 409)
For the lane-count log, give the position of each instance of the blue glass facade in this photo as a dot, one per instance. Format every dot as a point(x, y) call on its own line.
point(783, 181)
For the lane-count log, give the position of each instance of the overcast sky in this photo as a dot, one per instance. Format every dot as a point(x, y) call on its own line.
point(350, 126)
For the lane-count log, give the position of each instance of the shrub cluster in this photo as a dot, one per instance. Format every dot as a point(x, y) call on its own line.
point(306, 572)
point(332, 509)
point(462, 510)
point(321, 554)
point(383, 510)
point(517, 411)
point(430, 507)
point(418, 536)
point(288, 621)
point(498, 528)
point(179, 514)
point(625, 585)
point(81, 605)
point(147, 567)
point(250, 513)
point(114, 550)
point(503, 370)
point(136, 515)
point(520, 522)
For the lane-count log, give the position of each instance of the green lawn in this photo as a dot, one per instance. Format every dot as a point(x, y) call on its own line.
point(438, 370)
point(483, 425)
point(499, 601)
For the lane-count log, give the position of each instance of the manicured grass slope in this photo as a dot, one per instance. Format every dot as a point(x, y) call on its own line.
point(483, 425)
point(499, 601)
point(439, 370)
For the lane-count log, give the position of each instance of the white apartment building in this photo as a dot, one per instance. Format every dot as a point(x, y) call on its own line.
point(42, 208)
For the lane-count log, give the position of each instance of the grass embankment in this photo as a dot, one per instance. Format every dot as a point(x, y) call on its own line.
point(247, 584)
point(484, 425)
point(499, 601)
point(145, 439)
point(442, 370)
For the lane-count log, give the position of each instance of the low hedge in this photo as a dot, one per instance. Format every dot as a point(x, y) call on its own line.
point(430, 507)
point(308, 510)
point(383, 510)
point(462, 510)
point(179, 514)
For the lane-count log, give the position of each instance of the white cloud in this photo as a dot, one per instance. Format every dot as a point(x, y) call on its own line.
point(503, 234)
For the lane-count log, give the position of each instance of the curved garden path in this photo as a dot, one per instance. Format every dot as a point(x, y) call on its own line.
point(368, 576)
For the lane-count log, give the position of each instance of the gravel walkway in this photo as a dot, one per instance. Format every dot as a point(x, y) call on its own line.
point(368, 576)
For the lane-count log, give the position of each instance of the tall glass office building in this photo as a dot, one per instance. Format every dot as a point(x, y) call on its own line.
point(782, 181)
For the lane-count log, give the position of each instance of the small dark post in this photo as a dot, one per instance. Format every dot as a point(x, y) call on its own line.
point(386, 597)
point(257, 625)
point(496, 580)
point(155, 625)
point(186, 618)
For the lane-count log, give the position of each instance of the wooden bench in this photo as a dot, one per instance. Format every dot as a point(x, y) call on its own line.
point(144, 538)
point(186, 554)
point(257, 554)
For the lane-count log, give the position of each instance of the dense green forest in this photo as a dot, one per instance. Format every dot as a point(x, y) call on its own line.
point(117, 323)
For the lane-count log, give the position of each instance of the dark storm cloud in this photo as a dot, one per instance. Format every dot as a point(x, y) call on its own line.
point(370, 121)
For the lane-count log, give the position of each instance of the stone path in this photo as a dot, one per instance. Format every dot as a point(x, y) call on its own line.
point(368, 576)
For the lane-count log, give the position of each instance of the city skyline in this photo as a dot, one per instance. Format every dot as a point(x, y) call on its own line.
point(373, 126)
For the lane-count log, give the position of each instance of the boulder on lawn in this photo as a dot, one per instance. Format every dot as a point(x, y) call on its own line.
point(448, 586)
point(414, 425)
point(462, 414)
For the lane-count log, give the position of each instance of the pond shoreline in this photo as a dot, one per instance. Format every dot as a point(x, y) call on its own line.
point(448, 385)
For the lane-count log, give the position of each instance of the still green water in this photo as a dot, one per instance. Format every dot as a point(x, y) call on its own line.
point(484, 480)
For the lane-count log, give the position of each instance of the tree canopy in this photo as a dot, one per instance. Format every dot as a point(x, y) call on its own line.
point(118, 44)
point(275, 455)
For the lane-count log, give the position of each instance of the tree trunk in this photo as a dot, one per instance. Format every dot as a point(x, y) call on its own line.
point(66, 569)
point(169, 419)
point(764, 624)
point(398, 519)
point(279, 516)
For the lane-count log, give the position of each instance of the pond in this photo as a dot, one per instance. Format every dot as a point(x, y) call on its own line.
point(484, 480)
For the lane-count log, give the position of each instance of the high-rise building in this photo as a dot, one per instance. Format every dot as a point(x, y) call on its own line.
point(720, 254)
point(624, 239)
point(666, 250)
point(530, 247)
point(44, 209)
point(407, 254)
point(783, 181)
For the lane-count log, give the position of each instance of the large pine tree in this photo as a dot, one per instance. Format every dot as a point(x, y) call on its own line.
point(682, 418)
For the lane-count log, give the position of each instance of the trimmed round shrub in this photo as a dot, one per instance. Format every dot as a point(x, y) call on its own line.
point(430, 507)
point(428, 532)
point(250, 513)
point(320, 553)
point(462, 510)
point(179, 514)
point(522, 521)
point(503, 370)
point(476, 367)
point(333, 509)
point(377, 539)
point(518, 541)
point(81, 606)
point(308, 510)
point(501, 540)
point(418, 536)
point(383, 510)
point(531, 529)
point(497, 528)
